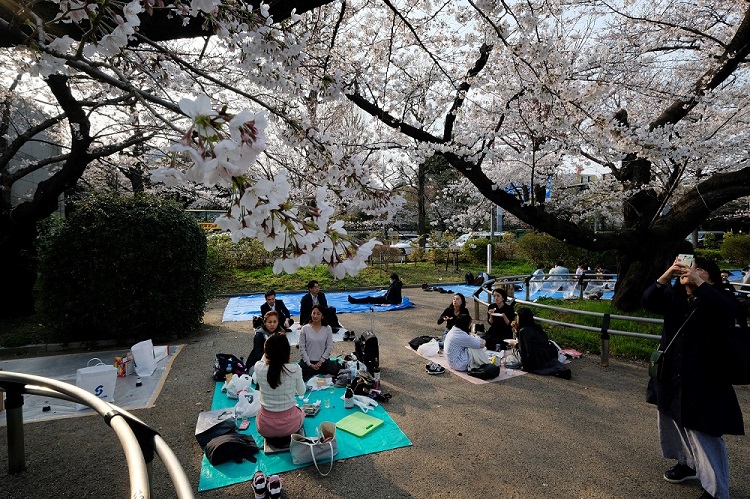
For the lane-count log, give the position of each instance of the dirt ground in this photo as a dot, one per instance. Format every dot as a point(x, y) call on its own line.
point(529, 437)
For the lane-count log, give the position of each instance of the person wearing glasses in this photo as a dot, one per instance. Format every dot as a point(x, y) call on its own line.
point(696, 403)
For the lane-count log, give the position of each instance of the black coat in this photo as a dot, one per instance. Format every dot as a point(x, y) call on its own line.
point(538, 355)
point(306, 305)
point(449, 312)
point(280, 308)
point(499, 330)
point(694, 390)
point(393, 295)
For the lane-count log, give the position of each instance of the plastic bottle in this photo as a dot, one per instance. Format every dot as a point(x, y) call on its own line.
point(353, 369)
point(349, 398)
point(376, 378)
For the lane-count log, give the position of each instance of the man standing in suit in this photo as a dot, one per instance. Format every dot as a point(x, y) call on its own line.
point(317, 297)
point(285, 318)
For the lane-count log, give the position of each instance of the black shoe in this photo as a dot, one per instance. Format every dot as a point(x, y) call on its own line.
point(706, 495)
point(679, 473)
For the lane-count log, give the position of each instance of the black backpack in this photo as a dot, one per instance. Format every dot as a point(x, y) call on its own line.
point(226, 363)
point(367, 350)
point(419, 340)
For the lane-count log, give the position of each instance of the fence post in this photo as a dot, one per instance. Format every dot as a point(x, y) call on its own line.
point(14, 418)
point(605, 340)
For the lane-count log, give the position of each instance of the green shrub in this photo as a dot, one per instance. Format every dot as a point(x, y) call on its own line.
point(125, 269)
point(736, 248)
point(246, 254)
point(711, 254)
point(437, 256)
point(542, 248)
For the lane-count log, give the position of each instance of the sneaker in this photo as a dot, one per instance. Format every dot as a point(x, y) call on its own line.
point(433, 368)
point(679, 473)
point(259, 485)
point(274, 486)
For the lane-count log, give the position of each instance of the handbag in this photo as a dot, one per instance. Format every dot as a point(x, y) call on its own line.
point(512, 360)
point(306, 450)
point(99, 379)
point(485, 371)
point(656, 361)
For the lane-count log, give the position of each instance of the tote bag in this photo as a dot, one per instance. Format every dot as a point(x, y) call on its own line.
point(98, 379)
point(305, 450)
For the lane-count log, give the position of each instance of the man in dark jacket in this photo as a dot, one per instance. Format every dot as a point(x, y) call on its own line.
point(392, 295)
point(696, 402)
point(285, 318)
point(317, 297)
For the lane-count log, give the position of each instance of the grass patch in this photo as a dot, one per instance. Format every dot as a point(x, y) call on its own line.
point(257, 281)
point(589, 341)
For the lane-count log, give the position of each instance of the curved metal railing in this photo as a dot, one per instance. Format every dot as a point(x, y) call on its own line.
point(139, 441)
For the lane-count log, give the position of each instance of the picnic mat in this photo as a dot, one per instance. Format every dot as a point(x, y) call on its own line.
point(443, 361)
point(386, 437)
point(243, 308)
point(64, 367)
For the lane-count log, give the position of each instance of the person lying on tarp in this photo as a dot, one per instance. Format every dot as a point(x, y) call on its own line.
point(270, 327)
point(462, 349)
point(392, 296)
point(278, 381)
point(538, 355)
point(315, 347)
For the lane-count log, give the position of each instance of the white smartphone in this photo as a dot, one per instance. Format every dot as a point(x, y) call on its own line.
point(685, 259)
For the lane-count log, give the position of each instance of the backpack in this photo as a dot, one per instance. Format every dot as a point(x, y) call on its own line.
point(226, 363)
point(231, 447)
point(469, 278)
point(485, 371)
point(362, 384)
point(367, 350)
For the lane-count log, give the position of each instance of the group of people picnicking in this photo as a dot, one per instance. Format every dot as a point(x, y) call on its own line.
point(465, 349)
point(270, 359)
point(695, 407)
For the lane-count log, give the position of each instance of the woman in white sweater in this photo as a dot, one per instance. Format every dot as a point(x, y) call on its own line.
point(315, 347)
point(278, 381)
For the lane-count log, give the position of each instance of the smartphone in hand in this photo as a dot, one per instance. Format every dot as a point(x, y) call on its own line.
point(685, 259)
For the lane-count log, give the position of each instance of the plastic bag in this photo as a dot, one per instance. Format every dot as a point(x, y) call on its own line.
point(429, 349)
point(144, 359)
point(248, 404)
point(560, 356)
point(238, 383)
point(365, 403)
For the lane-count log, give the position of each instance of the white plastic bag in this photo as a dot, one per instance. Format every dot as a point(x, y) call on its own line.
point(248, 404)
point(560, 356)
point(429, 349)
point(365, 403)
point(143, 357)
point(237, 383)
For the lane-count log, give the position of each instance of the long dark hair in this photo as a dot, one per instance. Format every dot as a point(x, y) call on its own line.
point(525, 317)
point(463, 302)
point(320, 309)
point(277, 352)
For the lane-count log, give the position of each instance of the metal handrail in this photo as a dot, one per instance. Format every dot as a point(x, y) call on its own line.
point(138, 440)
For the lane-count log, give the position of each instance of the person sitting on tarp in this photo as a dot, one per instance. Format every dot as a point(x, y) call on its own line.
point(317, 297)
point(457, 307)
point(538, 355)
point(278, 381)
point(392, 295)
point(464, 350)
point(285, 317)
point(315, 347)
point(270, 327)
point(499, 314)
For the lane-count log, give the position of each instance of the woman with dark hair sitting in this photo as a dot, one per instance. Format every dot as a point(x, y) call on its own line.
point(270, 327)
point(315, 347)
point(392, 295)
point(456, 308)
point(538, 355)
point(278, 380)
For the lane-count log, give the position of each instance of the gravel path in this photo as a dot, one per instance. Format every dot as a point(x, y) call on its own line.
point(529, 437)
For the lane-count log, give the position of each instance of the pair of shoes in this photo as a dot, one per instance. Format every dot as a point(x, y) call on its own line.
point(433, 368)
point(274, 486)
point(259, 485)
point(348, 335)
point(706, 495)
point(679, 473)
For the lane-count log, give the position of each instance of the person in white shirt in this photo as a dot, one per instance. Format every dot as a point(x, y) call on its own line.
point(278, 381)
